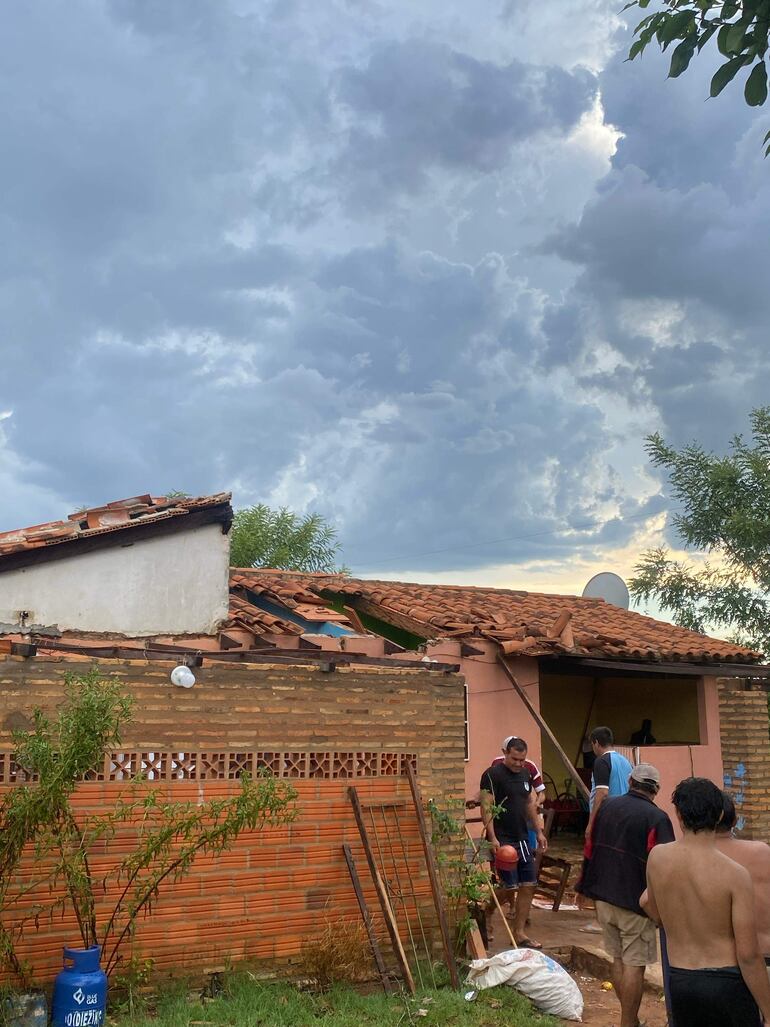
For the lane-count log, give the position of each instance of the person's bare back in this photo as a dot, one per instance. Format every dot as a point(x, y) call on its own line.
point(694, 890)
point(755, 858)
point(705, 902)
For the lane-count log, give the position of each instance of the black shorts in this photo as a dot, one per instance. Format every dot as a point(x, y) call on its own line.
point(715, 997)
point(525, 871)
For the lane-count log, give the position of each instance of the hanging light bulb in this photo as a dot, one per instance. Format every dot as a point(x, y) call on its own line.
point(182, 676)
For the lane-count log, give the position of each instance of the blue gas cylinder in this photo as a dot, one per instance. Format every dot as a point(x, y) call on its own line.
point(80, 990)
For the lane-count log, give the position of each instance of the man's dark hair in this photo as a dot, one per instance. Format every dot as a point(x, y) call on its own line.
point(517, 744)
point(644, 786)
point(729, 816)
point(699, 803)
point(602, 736)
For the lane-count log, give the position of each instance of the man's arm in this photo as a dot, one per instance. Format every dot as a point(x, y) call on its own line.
point(601, 795)
point(750, 959)
point(649, 905)
point(602, 772)
point(488, 820)
point(536, 821)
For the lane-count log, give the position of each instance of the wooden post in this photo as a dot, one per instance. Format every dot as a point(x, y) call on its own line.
point(588, 719)
point(382, 893)
point(362, 905)
point(435, 884)
point(545, 729)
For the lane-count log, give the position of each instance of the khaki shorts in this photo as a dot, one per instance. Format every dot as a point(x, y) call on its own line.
point(627, 935)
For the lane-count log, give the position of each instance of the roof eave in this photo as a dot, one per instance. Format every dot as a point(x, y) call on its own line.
point(658, 668)
point(135, 531)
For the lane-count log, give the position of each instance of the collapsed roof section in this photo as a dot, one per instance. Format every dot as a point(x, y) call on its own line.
point(524, 623)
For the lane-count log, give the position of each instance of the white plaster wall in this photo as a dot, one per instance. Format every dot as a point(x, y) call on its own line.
point(172, 584)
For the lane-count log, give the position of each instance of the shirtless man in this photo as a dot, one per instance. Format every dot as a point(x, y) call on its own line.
point(705, 902)
point(755, 857)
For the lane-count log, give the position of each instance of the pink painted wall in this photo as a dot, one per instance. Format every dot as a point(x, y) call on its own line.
point(679, 761)
point(495, 710)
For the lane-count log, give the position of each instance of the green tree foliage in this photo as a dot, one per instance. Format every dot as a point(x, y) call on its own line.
point(262, 537)
point(739, 29)
point(725, 504)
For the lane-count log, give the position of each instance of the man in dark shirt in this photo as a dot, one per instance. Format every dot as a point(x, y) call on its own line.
point(623, 833)
point(508, 808)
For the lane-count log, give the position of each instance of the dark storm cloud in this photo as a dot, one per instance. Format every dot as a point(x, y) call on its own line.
point(419, 104)
point(670, 254)
point(244, 248)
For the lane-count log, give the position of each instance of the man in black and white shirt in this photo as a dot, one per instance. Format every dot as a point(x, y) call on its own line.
point(508, 808)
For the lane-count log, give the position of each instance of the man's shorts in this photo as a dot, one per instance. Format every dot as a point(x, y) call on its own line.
point(627, 935)
point(524, 873)
point(716, 997)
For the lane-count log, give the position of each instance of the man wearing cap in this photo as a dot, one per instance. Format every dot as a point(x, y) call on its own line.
point(508, 808)
point(623, 833)
point(537, 782)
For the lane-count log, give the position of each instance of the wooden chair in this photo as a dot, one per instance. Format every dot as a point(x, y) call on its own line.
point(552, 879)
point(552, 873)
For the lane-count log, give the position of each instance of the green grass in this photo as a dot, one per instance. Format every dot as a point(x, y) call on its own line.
point(246, 1002)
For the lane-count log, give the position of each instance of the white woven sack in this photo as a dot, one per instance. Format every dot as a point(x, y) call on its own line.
point(540, 978)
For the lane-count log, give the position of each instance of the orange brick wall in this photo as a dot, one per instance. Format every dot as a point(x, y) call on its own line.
point(743, 723)
point(275, 888)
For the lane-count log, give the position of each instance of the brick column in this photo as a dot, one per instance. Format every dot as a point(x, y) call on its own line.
point(743, 719)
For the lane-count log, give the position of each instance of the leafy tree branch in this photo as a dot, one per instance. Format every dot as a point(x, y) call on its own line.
point(284, 540)
point(738, 29)
point(725, 512)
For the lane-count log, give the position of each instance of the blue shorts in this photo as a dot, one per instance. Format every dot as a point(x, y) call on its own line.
point(524, 873)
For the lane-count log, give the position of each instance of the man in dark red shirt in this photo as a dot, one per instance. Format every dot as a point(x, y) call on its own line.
point(624, 832)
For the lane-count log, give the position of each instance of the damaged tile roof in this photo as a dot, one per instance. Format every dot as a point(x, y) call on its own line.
point(122, 515)
point(288, 594)
point(526, 623)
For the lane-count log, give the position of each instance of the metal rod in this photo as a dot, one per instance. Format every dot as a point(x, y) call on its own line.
point(398, 891)
point(382, 893)
point(435, 884)
point(428, 952)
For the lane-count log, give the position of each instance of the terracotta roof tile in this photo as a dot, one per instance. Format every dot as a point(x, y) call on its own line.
point(522, 619)
point(291, 594)
point(244, 613)
point(121, 515)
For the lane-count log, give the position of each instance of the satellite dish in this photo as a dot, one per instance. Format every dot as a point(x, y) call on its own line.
point(609, 587)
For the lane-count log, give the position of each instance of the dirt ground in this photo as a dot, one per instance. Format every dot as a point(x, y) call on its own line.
point(567, 930)
point(603, 1010)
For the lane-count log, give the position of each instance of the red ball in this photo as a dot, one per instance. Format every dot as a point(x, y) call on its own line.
point(506, 857)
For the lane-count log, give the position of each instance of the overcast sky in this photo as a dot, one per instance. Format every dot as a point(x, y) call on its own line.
point(432, 269)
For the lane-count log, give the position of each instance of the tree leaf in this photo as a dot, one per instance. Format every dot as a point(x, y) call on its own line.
point(767, 137)
point(705, 36)
point(636, 49)
point(729, 10)
point(755, 90)
point(726, 74)
point(734, 40)
point(722, 40)
point(681, 58)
